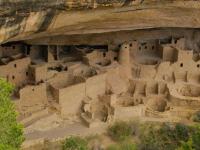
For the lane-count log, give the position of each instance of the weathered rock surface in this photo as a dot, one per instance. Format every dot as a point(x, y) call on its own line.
point(23, 20)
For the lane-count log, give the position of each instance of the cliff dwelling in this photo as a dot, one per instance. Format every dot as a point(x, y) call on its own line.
point(101, 71)
point(152, 77)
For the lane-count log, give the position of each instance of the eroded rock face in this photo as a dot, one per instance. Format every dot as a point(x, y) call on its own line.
point(16, 12)
point(24, 20)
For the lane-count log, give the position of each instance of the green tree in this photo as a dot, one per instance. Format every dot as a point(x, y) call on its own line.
point(11, 133)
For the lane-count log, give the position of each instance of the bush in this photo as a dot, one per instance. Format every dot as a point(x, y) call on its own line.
point(120, 131)
point(181, 132)
point(113, 147)
point(193, 142)
point(165, 137)
point(75, 143)
point(6, 147)
point(196, 117)
point(186, 145)
point(196, 137)
point(123, 146)
point(128, 146)
point(148, 137)
point(11, 133)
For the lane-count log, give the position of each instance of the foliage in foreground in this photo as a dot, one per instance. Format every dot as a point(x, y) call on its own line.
point(170, 137)
point(128, 145)
point(155, 136)
point(196, 117)
point(75, 143)
point(11, 134)
point(194, 141)
point(121, 131)
point(6, 147)
point(164, 137)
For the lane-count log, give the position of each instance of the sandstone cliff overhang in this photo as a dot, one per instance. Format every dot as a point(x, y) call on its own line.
point(53, 21)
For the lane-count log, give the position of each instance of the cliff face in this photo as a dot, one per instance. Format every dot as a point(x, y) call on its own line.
point(22, 19)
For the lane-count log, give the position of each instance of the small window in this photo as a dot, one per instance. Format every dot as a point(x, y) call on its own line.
point(198, 65)
point(26, 73)
point(131, 45)
point(104, 54)
point(145, 47)
point(33, 90)
point(115, 58)
point(13, 77)
point(15, 65)
point(66, 68)
point(153, 47)
point(139, 48)
point(181, 65)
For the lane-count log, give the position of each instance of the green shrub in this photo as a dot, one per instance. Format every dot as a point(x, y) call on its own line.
point(196, 117)
point(128, 146)
point(75, 143)
point(165, 137)
point(123, 146)
point(120, 131)
point(194, 141)
point(6, 147)
point(11, 133)
point(113, 147)
point(181, 132)
point(148, 137)
point(196, 137)
point(186, 145)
